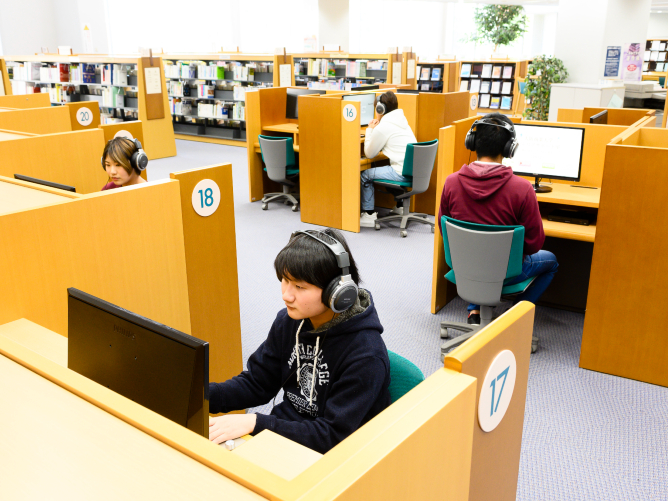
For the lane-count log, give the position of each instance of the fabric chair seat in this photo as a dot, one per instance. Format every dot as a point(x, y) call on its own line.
point(289, 171)
point(406, 184)
point(404, 376)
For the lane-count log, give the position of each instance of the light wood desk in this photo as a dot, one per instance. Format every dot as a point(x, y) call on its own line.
point(17, 197)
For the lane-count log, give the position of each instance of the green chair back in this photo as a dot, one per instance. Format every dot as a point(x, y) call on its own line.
point(404, 376)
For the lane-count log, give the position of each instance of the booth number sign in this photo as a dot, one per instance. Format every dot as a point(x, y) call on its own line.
point(206, 197)
point(497, 390)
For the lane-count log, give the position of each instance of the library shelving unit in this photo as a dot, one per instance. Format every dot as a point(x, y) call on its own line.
point(496, 81)
point(655, 60)
point(437, 76)
point(207, 92)
point(363, 69)
point(5, 85)
point(116, 83)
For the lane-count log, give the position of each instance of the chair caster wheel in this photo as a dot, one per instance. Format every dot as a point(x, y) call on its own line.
point(444, 334)
point(404, 233)
point(432, 229)
point(377, 227)
point(265, 206)
point(534, 344)
point(295, 208)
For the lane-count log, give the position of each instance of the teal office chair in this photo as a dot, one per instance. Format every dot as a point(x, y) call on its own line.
point(278, 155)
point(418, 164)
point(404, 376)
point(482, 258)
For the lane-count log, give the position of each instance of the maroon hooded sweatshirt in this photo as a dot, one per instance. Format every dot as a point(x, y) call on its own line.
point(491, 194)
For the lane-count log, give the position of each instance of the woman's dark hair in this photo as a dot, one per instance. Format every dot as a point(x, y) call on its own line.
point(389, 99)
point(304, 258)
point(120, 150)
point(490, 140)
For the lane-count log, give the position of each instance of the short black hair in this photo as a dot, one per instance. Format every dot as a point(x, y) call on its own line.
point(389, 99)
point(490, 140)
point(304, 258)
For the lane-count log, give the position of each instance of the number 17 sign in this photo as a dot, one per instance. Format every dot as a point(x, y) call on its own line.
point(497, 390)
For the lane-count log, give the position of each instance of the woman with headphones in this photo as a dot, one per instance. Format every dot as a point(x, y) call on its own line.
point(123, 160)
point(324, 350)
point(390, 134)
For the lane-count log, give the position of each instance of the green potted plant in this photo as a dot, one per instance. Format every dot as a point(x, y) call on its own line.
point(542, 72)
point(499, 24)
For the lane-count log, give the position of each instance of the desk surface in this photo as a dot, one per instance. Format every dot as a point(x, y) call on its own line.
point(288, 128)
point(14, 197)
point(6, 136)
point(570, 195)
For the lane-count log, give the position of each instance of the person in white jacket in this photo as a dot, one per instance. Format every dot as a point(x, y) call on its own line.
point(389, 135)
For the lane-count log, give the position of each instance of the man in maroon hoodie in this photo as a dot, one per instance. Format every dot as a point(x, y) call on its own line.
point(487, 192)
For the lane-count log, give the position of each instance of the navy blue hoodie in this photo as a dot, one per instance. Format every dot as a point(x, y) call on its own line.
point(352, 377)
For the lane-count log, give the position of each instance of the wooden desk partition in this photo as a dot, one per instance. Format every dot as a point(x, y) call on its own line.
point(24, 101)
point(155, 114)
point(81, 111)
point(130, 130)
point(624, 328)
point(616, 116)
point(71, 158)
point(18, 195)
point(5, 83)
point(136, 261)
point(50, 120)
point(211, 264)
point(495, 461)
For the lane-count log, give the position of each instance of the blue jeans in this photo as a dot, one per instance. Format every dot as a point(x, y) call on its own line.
point(368, 176)
point(543, 264)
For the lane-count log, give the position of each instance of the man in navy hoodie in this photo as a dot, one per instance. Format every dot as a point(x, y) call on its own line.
point(487, 192)
point(333, 368)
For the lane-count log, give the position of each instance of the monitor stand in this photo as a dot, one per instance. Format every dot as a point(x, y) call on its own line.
point(540, 189)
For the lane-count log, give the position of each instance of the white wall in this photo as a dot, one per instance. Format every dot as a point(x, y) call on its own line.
point(25, 26)
point(658, 26)
point(333, 23)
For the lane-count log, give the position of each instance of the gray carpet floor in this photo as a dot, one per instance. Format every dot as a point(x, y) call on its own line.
point(587, 435)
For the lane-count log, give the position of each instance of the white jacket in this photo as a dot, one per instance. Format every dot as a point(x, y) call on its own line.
point(390, 136)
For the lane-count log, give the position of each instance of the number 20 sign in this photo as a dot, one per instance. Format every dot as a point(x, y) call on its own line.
point(497, 390)
point(206, 197)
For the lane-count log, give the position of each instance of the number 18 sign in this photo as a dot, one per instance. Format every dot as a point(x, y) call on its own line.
point(206, 197)
point(497, 390)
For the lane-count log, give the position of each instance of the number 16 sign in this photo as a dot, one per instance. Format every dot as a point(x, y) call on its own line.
point(497, 390)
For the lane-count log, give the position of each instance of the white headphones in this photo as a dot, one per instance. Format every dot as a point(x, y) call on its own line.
point(380, 107)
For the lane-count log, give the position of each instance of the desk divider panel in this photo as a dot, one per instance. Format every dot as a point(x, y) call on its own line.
point(91, 107)
point(49, 120)
point(495, 461)
point(619, 116)
point(71, 158)
point(79, 244)
point(211, 264)
point(628, 271)
point(25, 101)
point(6, 87)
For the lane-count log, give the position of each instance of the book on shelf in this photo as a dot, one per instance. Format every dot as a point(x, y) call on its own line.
point(463, 86)
point(484, 101)
point(466, 70)
point(662, 56)
point(654, 55)
point(659, 66)
point(496, 87)
point(486, 71)
point(206, 91)
point(645, 66)
point(417, 72)
point(662, 46)
point(646, 56)
point(495, 102)
point(476, 70)
point(496, 71)
point(506, 102)
point(436, 73)
point(508, 71)
point(484, 87)
point(656, 44)
point(475, 85)
point(507, 88)
point(88, 73)
point(425, 74)
point(424, 86)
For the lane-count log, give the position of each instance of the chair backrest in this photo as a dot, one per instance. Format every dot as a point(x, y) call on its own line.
point(418, 164)
point(481, 257)
point(404, 376)
point(278, 154)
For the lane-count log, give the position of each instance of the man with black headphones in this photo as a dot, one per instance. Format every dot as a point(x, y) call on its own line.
point(487, 192)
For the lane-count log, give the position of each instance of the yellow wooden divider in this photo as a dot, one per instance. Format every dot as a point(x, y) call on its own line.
point(24, 101)
point(49, 120)
point(83, 111)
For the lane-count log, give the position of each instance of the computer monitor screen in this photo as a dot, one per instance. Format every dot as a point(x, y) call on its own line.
point(548, 152)
point(50, 184)
point(158, 367)
point(599, 118)
point(367, 87)
point(367, 106)
point(292, 103)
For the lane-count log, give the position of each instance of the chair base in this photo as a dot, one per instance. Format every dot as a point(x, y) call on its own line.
point(286, 197)
point(405, 218)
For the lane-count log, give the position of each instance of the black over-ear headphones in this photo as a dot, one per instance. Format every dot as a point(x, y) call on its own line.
point(341, 293)
point(509, 148)
point(380, 107)
point(138, 160)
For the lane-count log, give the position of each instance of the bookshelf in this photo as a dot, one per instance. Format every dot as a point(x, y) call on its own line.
point(116, 84)
point(495, 81)
point(5, 85)
point(655, 60)
point(446, 80)
point(332, 70)
point(207, 92)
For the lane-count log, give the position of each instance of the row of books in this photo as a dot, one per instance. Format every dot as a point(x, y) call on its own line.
point(486, 86)
point(656, 45)
point(495, 102)
point(222, 110)
point(215, 70)
point(205, 91)
point(481, 70)
point(655, 56)
point(108, 118)
point(657, 67)
point(429, 73)
point(334, 85)
point(327, 67)
point(81, 73)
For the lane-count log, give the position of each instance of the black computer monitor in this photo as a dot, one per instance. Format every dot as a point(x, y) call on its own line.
point(367, 106)
point(407, 91)
point(547, 152)
point(158, 367)
point(50, 184)
point(367, 87)
point(599, 118)
point(292, 103)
